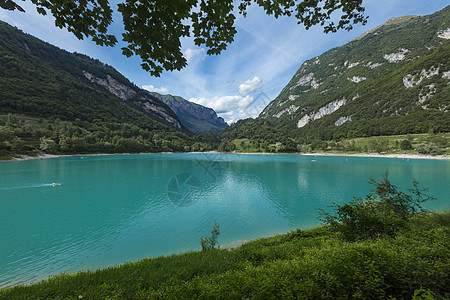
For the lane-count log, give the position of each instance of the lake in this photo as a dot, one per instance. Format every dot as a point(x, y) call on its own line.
point(73, 213)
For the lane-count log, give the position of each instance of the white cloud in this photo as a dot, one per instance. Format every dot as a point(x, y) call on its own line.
point(151, 88)
point(190, 53)
point(231, 108)
point(250, 86)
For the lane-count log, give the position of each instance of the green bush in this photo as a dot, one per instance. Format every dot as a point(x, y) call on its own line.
point(412, 265)
point(430, 148)
point(406, 145)
point(384, 211)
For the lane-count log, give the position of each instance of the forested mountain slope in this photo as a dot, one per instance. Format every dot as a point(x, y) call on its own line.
point(39, 79)
point(393, 79)
point(54, 101)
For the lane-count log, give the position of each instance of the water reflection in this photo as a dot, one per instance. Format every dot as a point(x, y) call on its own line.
point(114, 209)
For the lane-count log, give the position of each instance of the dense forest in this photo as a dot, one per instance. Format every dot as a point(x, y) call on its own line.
point(32, 136)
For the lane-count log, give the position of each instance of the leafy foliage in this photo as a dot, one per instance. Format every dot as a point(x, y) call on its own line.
point(89, 18)
point(406, 145)
point(11, 5)
point(384, 211)
point(256, 135)
point(154, 29)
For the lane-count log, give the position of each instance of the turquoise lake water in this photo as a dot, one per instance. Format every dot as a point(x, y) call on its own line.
point(107, 210)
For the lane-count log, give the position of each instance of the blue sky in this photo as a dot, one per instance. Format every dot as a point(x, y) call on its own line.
point(244, 78)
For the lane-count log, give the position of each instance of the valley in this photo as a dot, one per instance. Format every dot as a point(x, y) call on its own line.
point(110, 179)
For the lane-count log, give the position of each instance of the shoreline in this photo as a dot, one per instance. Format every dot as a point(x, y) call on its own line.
point(47, 156)
point(368, 155)
point(377, 155)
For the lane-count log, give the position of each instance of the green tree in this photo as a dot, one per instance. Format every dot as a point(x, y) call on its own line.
point(12, 120)
point(379, 145)
point(406, 145)
point(17, 145)
point(154, 28)
point(227, 146)
point(430, 148)
point(64, 143)
point(319, 145)
point(47, 145)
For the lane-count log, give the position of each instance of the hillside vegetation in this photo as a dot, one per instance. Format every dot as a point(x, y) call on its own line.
point(266, 139)
point(21, 135)
point(41, 80)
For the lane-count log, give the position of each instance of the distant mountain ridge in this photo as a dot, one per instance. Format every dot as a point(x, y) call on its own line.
point(195, 117)
point(380, 83)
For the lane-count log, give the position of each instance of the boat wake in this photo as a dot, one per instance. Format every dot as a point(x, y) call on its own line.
point(54, 184)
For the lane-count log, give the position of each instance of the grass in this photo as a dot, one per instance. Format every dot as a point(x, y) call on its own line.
point(306, 264)
point(244, 145)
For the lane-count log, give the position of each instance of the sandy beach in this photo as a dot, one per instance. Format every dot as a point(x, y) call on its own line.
point(399, 155)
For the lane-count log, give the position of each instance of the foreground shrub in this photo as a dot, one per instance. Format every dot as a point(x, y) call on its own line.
point(384, 211)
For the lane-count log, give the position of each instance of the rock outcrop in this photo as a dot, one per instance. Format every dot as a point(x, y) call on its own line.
point(118, 89)
point(323, 111)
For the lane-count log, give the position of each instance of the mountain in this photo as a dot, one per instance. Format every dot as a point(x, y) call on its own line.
point(195, 117)
point(69, 103)
point(393, 79)
point(42, 80)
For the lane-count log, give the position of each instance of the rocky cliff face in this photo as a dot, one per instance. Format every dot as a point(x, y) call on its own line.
point(120, 90)
point(195, 117)
point(43, 81)
point(151, 105)
point(143, 100)
point(323, 111)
